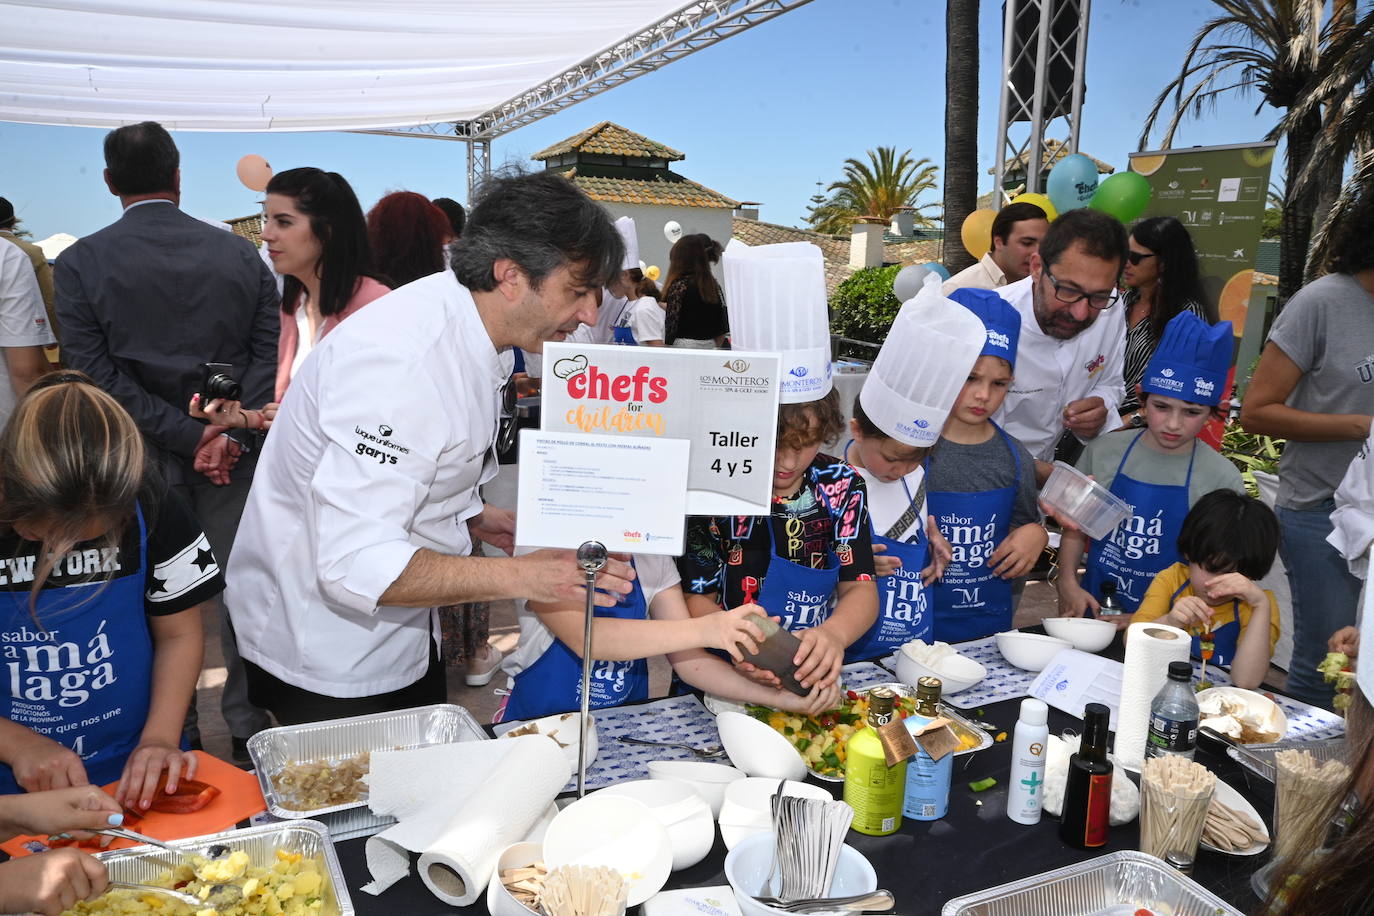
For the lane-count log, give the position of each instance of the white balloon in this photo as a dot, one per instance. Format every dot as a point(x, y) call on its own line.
point(672, 230)
point(908, 281)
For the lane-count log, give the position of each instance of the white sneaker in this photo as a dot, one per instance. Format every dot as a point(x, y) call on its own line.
point(482, 668)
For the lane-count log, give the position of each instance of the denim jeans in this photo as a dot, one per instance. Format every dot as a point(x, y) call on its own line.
point(1325, 596)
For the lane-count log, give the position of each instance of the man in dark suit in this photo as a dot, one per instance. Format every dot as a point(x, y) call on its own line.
point(143, 304)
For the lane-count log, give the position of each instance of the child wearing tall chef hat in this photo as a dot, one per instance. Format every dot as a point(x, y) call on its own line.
point(809, 562)
point(1160, 469)
point(981, 486)
point(898, 415)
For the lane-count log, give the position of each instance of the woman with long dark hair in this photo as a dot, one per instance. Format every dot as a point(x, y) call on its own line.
point(407, 234)
point(695, 304)
point(1162, 279)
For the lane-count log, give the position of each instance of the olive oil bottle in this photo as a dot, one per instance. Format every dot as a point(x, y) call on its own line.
point(872, 788)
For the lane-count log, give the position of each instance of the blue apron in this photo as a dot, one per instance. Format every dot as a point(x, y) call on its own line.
point(621, 328)
point(971, 600)
point(81, 675)
point(1224, 637)
point(1146, 542)
point(800, 595)
point(553, 684)
point(903, 601)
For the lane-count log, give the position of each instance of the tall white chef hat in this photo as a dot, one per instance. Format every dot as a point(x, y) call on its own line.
point(625, 225)
point(922, 366)
point(776, 298)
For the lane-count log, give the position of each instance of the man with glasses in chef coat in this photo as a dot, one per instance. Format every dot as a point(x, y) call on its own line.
point(1073, 336)
point(365, 505)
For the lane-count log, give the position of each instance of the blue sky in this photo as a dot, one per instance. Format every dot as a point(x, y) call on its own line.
point(762, 116)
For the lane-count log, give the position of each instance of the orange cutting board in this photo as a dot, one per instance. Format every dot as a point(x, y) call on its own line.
point(239, 798)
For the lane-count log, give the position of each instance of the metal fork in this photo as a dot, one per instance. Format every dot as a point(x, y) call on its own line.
point(708, 752)
point(859, 903)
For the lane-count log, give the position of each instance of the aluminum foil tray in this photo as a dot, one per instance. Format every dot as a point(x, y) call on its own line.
point(1112, 885)
point(144, 864)
point(338, 739)
point(1259, 758)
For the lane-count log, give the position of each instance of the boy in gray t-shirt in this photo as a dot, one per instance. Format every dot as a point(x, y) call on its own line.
point(1327, 330)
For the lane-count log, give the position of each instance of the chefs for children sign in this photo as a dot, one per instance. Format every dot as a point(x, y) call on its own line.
point(724, 402)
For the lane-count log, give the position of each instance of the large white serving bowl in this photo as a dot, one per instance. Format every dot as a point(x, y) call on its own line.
point(565, 728)
point(710, 780)
point(1086, 633)
point(499, 900)
point(757, 749)
point(691, 826)
point(956, 672)
point(748, 807)
point(615, 831)
point(748, 864)
point(1030, 650)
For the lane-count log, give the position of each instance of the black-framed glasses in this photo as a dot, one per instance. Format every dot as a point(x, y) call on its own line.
point(1135, 257)
point(1070, 295)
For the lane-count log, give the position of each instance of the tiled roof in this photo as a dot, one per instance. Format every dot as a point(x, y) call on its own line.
point(1053, 151)
point(835, 248)
point(250, 227)
point(610, 139)
point(658, 186)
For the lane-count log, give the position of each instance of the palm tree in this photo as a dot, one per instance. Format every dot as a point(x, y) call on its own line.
point(876, 189)
point(1273, 48)
point(961, 123)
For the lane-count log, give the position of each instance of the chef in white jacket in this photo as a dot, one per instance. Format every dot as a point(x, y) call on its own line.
point(1073, 336)
point(365, 503)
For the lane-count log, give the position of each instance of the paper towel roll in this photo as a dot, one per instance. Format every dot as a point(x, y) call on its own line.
point(1149, 649)
point(459, 805)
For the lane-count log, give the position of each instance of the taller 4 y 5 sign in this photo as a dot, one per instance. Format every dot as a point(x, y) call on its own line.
point(725, 402)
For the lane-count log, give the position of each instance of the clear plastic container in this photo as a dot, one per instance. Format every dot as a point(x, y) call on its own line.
point(1079, 499)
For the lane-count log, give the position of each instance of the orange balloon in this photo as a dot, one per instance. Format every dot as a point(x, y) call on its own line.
point(254, 172)
point(976, 233)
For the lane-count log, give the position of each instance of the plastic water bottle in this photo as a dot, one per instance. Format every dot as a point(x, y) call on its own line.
point(1026, 788)
point(1174, 715)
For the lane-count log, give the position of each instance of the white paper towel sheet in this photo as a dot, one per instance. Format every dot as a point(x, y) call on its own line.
point(1150, 647)
point(458, 806)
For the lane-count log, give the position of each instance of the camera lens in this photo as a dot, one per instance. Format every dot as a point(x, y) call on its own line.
point(219, 385)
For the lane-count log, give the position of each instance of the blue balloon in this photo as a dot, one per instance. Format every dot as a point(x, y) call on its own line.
point(937, 267)
point(1072, 182)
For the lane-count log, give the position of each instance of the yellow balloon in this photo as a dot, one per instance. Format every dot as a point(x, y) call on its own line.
point(976, 233)
point(652, 272)
point(1040, 200)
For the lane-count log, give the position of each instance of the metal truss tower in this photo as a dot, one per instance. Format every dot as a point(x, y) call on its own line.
point(693, 27)
point(1044, 50)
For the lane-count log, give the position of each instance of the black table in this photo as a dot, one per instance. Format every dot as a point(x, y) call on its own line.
point(927, 863)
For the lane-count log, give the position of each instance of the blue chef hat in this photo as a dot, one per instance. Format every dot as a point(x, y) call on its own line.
point(1002, 321)
point(1191, 361)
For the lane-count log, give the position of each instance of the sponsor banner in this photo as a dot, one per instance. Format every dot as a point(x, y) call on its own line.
point(723, 402)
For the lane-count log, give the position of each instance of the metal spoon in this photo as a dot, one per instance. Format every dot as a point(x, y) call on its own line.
point(858, 903)
point(711, 750)
point(221, 895)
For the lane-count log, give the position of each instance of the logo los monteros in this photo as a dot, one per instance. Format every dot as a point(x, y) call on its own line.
point(737, 366)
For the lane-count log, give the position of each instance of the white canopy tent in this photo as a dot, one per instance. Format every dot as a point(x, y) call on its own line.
point(457, 69)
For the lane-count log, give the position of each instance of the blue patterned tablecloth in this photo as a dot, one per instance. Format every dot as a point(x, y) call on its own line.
point(1305, 723)
point(862, 675)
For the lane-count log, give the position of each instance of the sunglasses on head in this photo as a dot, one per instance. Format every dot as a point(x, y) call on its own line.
point(1135, 257)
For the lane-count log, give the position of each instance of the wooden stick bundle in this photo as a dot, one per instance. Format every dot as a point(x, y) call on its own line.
point(584, 890)
point(1231, 830)
point(1302, 797)
point(1175, 796)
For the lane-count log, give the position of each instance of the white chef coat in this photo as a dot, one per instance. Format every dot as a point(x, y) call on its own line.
point(1051, 373)
point(888, 503)
point(379, 450)
point(603, 332)
point(1352, 522)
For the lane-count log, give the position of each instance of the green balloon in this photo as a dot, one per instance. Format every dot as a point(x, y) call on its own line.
point(1123, 195)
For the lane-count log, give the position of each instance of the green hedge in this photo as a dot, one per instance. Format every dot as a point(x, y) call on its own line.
point(863, 306)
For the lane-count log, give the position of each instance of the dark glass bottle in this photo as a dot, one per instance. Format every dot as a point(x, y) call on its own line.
point(1088, 794)
point(1109, 606)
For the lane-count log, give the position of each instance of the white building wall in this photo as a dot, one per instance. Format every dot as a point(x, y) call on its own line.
point(650, 219)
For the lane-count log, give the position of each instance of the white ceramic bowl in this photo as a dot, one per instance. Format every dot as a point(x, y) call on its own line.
point(710, 780)
point(757, 749)
point(748, 807)
point(1257, 706)
point(563, 728)
point(1030, 650)
point(617, 832)
point(691, 826)
point(1085, 633)
point(499, 900)
point(748, 864)
point(956, 672)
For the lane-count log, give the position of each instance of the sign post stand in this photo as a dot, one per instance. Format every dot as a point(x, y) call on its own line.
point(591, 556)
